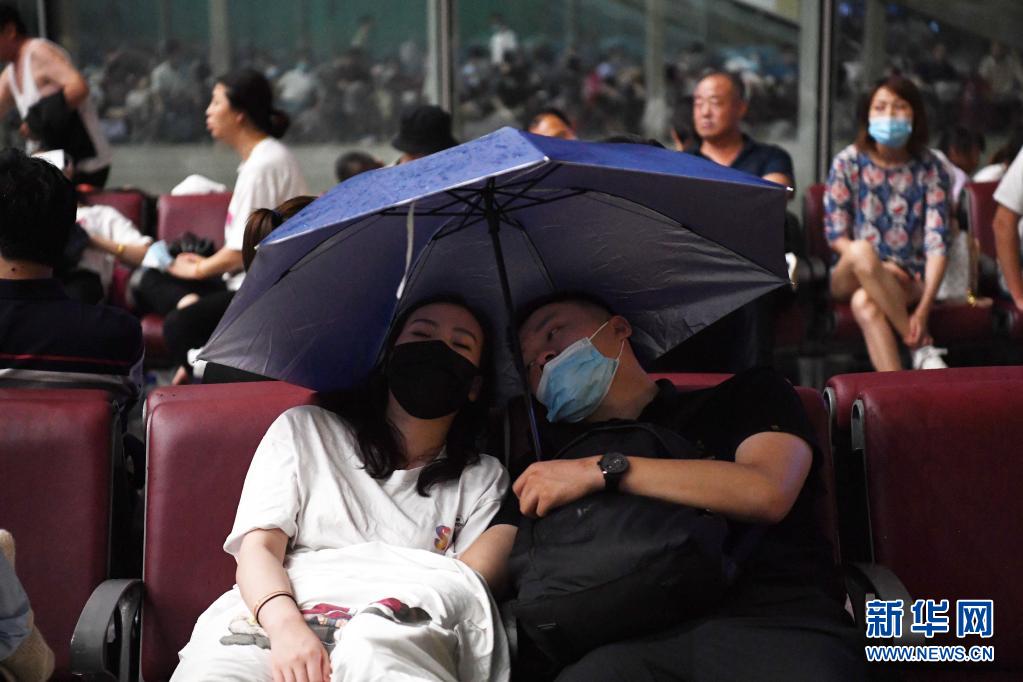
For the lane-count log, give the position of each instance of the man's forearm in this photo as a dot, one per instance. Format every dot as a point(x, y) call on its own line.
point(737, 491)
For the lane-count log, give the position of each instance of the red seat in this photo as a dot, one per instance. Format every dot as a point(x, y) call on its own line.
point(56, 449)
point(200, 440)
point(132, 204)
point(201, 214)
point(942, 482)
point(981, 207)
point(840, 393)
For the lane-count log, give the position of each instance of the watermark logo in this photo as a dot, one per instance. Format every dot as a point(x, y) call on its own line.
point(930, 617)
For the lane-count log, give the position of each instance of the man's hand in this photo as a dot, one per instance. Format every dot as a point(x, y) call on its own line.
point(544, 486)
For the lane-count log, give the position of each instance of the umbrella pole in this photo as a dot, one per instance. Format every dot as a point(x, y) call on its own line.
point(494, 223)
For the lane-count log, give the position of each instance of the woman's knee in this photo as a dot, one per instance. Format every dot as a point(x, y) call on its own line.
point(863, 257)
point(864, 309)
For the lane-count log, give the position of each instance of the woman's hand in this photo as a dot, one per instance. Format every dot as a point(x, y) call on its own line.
point(297, 654)
point(918, 334)
point(186, 266)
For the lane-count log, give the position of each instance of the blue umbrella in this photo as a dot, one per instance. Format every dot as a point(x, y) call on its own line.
point(669, 240)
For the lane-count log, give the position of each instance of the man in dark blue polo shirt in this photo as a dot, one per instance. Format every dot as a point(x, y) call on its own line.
point(745, 338)
point(46, 339)
point(719, 105)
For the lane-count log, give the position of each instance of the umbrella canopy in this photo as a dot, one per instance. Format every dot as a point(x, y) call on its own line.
point(669, 240)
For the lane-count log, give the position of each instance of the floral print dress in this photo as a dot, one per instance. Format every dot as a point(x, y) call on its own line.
point(902, 211)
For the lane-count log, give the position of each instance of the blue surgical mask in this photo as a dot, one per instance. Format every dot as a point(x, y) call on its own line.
point(889, 131)
point(574, 383)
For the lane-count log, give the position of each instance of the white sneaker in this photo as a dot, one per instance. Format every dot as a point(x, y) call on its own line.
point(929, 357)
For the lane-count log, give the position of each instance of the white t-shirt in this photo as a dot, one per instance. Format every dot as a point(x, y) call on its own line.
point(356, 541)
point(269, 177)
point(306, 478)
point(107, 222)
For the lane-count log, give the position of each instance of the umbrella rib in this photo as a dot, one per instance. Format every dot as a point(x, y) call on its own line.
point(465, 218)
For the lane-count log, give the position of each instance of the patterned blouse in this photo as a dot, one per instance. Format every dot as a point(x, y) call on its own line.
point(902, 211)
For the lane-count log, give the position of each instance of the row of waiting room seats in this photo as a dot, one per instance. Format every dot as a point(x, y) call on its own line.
point(920, 501)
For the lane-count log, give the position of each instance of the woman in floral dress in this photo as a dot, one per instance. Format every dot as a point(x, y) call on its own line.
point(886, 212)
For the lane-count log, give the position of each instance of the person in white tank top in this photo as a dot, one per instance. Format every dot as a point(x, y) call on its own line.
point(36, 69)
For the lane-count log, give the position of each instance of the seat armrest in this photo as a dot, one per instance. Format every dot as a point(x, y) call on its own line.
point(873, 581)
point(109, 622)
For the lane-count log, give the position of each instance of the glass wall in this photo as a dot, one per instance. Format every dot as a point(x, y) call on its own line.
point(342, 69)
point(621, 65)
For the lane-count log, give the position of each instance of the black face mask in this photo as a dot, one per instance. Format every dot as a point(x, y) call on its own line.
point(429, 379)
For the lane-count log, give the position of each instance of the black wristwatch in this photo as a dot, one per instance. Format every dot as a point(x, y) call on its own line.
point(613, 465)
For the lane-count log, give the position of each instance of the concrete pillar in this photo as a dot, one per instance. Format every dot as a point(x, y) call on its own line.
point(874, 57)
point(655, 115)
point(220, 37)
point(439, 82)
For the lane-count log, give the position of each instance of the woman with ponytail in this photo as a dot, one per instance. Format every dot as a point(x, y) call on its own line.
point(241, 114)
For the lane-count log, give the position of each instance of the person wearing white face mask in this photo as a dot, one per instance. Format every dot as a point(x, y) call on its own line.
point(886, 217)
point(782, 618)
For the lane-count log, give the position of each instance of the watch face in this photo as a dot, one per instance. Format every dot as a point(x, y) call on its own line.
point(615, 463)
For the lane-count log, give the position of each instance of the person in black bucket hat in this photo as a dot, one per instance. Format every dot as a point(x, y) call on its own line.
point(425, 130)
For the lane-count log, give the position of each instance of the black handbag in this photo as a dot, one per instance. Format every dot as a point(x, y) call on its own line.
point(612, 566)
point(190, 243)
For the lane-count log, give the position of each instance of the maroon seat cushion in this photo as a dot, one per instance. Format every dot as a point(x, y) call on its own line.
point(981, 207)
point(813, 223)
point(790, 324)
point(129, 203)
point(961, 324)
point(152, 336)
point(201, 214)
point(943, 484)
point(842, 389)
point(200, 441)
point(55, 463)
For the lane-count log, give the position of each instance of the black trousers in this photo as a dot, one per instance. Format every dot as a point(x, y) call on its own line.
point(157, 292)
point(82, 285)
point(192, 326)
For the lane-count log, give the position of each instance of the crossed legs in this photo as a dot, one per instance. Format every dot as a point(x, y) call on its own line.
point(879, 294)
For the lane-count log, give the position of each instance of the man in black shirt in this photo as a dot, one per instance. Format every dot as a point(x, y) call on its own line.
point(782, 619)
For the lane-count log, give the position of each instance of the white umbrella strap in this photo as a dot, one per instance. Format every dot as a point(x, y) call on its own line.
point(410, 223)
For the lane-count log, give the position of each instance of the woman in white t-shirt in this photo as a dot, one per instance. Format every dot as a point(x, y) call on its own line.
point(350, 528)
point(240, 114)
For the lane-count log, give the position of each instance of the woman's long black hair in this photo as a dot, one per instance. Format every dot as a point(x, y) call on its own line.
point(380, 445)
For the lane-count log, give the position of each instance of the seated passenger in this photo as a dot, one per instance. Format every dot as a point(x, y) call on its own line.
point(783, 617)
point(350, 523)
point(886, 217)
point(46, 339)
point(195, 291)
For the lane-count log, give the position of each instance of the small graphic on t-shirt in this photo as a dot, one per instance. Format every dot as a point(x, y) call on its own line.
point(443, 539)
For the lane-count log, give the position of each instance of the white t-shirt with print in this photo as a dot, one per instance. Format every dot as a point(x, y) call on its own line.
point(267, 178)
point(306, 478)
point(354, 541)
point(107, 222)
